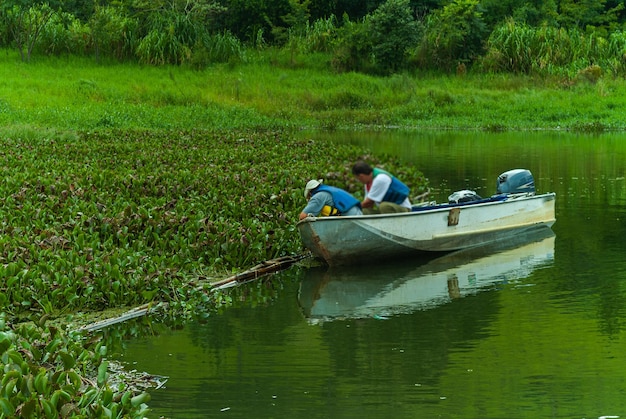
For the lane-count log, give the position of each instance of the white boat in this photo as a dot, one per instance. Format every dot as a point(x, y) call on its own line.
point(381, 291)
point(447, 227)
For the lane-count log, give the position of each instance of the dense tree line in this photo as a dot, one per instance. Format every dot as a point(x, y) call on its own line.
point(376, 36)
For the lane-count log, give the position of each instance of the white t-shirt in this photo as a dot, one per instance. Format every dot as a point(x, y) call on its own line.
point(379, 188)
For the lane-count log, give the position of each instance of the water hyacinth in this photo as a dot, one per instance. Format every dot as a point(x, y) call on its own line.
point(101, 220)
point(49, 374)
point(118, 218)
point(111, 219)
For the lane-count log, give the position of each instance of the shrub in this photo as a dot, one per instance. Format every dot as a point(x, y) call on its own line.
point(453, 34)
point(393, 32)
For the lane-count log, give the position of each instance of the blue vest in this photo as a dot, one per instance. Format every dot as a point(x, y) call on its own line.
point(397, 191)
point(342, 199)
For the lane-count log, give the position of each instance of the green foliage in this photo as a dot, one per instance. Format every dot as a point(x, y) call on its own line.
point(218, 48)
point(169, 39)
point(173, 29)
point(109, 219)
point(48, 374)
point(25, 25)
point(314, 38)
point(63, 34)
point(589, 15)
point(245, 18)
point(378, 37)
point(531, 12)
point(111, 32)
point(378, 44)
point(296, 21)
point(616, 53)
point(320, 36)
point(520, 48)
point(394, 32)
point(454, 34)
point(354, 49)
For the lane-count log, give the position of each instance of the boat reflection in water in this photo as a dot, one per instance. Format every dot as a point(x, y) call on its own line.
point(379, 291)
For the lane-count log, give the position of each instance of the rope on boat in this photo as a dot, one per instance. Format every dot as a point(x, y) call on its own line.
point(258, 271)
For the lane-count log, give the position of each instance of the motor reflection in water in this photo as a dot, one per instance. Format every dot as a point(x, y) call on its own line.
point(379, 291)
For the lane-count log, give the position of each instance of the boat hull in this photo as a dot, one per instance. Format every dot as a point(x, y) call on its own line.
point(406, 286)
point(440, 228)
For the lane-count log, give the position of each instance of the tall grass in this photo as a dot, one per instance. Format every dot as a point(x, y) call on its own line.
point(519, 48)
point(70, 93)
point(318, 36)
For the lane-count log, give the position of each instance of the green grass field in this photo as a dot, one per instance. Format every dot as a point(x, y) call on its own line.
point(76, 94)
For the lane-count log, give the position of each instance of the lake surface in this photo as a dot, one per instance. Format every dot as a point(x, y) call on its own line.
point(532, 328)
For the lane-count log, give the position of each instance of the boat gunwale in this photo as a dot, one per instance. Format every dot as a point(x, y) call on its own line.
point(434, 209)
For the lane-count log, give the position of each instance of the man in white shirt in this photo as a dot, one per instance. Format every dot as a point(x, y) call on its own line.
point(384, 193)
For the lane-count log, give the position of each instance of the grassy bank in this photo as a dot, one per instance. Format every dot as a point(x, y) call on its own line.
point(76, 94)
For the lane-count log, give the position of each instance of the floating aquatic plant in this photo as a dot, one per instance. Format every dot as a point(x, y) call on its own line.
point(116, 218)
point(119, 218)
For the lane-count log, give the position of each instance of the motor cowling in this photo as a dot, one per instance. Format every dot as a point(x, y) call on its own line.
point(516, 181)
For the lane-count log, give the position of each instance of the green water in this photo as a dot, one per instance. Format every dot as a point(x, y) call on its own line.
point(534, 329)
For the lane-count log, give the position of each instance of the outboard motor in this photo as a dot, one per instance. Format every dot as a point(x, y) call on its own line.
point(516, 181)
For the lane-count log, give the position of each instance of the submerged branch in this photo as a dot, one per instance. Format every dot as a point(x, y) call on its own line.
point(262, 269)
point(258, 271)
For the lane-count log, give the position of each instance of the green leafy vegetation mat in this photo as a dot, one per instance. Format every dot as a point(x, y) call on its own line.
point(111, 219)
